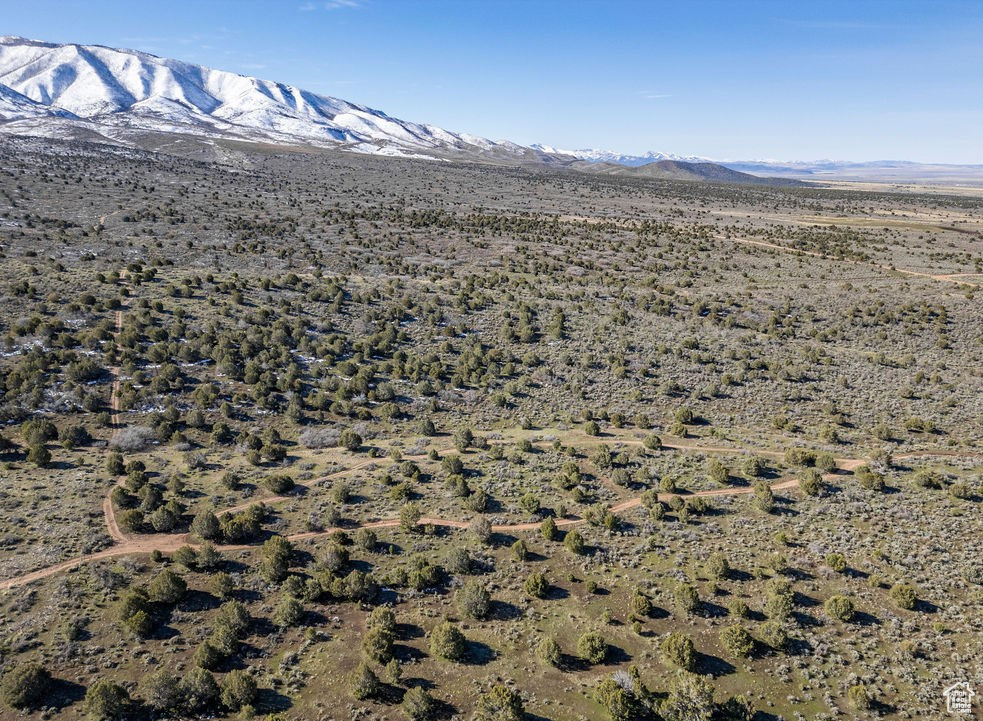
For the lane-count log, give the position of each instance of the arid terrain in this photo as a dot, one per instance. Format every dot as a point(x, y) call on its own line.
point(315, 435)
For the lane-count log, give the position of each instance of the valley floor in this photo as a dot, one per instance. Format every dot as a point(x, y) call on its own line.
point(321, 436)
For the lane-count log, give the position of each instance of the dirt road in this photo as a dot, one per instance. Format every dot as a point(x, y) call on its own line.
point(957, 278)
point(146, 543)
point(129, 545)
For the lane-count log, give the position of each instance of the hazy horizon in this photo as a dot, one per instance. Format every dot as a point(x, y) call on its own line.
point(728, 81)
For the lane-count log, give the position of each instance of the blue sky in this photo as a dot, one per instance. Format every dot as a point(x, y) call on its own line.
point(727, 79)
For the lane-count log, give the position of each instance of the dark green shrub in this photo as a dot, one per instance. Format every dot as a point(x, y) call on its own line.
point(473, 599)
point(737, 641)
point(364, 683)
point(24, 686)
point(679, 650)
point(500, 703)
point(870, 479)
point(839, 607)
point(167, 587)
point(574, 542)
point(279, 483)
point(418, 704)
point(764, 499)
point(105, 701)
point(536, 585)
point(447, 642)
point(686, 598)
point(549, 651)
point(592, 647)
point(238, 690)
point(904, 596)
point(378, 644)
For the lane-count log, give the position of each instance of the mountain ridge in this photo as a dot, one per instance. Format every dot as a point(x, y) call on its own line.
point(91, 91)
point(884, 170)
point(123, 90)
point(594, 155)
point(683, 170)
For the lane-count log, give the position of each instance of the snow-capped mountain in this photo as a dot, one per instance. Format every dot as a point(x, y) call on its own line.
point(127, 97)
point(592, 155)
point(49, 89)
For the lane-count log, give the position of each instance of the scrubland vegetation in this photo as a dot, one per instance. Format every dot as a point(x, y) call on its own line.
point(320, 436)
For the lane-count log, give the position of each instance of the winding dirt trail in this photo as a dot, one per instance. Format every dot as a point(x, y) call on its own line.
point(330, 476)
point(165, 542)
point(107, 216)
point(108, 511)
point(957, 278)
point(115, 371)
point(112, 527)
point(168, 542)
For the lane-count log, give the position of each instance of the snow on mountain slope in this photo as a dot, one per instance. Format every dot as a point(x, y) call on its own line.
point(609, 156)
point(124, 90)
point(14, 106)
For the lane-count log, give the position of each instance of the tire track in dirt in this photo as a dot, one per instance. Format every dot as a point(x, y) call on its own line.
point(171, 542)
point(126, 545)
point(115, 372)
point(956, 278)
point(108, 511)
point(278, 499)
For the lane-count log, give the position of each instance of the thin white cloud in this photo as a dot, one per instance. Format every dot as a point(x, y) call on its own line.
point(652, 95)
point(308, 7)
point(842, 25)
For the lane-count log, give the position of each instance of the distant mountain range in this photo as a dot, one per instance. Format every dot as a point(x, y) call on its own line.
point(893, 171)
point(58, 90)
point(609, 156)
point(682, 170)
point(106, 94)
point(874, 171)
